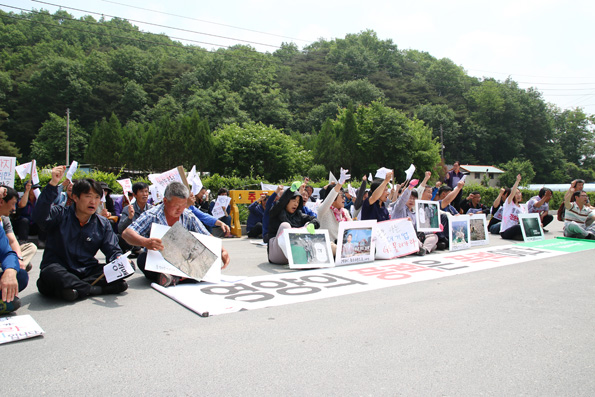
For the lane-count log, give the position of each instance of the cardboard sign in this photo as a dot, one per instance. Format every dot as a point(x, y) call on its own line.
point(356, 243)
point(118, 268)
point(531, 227)
point(162, 180)
point(156, 262)
point(395, 238)
point(18, 327)
point(308, 251)
point(458, 232)
point(478, 228)
point(219, 209)
point(7, 169)
point(428, 216)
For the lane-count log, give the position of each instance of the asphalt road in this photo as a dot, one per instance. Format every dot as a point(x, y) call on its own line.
point(525, 329)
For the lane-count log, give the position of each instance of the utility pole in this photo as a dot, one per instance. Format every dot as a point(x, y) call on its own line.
point(441, 143)
point(67, 136)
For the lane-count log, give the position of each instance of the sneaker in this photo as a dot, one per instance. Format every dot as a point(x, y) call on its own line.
point(29, 267)
point(115, 287)
point(166, 280)
point(69, 294)
point(546, 231)
point(441, 245)
point(422, 251)
point(9, 307)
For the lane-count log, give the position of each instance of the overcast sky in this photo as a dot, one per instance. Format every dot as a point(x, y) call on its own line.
point(547, 44)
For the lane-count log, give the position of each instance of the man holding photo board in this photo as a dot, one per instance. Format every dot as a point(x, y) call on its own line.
point(172, 210)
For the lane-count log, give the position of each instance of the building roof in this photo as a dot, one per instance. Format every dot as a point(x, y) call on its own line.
point(482, 168)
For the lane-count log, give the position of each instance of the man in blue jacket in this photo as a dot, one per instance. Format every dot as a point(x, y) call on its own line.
point(254, 223)
point(75, 234)
point(13, 279)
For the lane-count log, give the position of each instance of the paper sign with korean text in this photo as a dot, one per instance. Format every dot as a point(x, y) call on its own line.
point(18, 327)
point(118, 268)
point(7, 170)
point(30, 169)
point(220, 207)
point(156, 262)
point(160, 181)
point(395, 238)
point(356, 243)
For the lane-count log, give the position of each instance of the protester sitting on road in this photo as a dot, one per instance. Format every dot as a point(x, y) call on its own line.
point(540, 205)
point(209, 221)
point(25, 251)
point(172, 210)
point(578, 219)
point(13, 277)
point(202, 200)
point(496, 210)
point(577, 185)
point(306, 194)
point(132, 212)
point(405, 208)
point(23, 223)
point(121, 202)
point(374, 207)
point(75, 234)
point(446, 195)
point(510, 228)
point(255, 216)
point(362, 194)
point(473, 205)
point(225, 218)
point(332, 210)
point(273, 198)
point(285, 214)
point(64, 198)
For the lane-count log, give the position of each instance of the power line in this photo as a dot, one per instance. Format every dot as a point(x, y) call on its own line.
point(132, 38)
point(202, 20)
point(155, 24)
point(526, 75)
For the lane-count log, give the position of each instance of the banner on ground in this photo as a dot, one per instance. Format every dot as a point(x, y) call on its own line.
point(18, 327)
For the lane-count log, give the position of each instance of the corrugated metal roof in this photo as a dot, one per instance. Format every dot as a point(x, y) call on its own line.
point(482, 168)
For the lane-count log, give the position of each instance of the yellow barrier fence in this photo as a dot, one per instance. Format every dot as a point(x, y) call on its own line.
point(242, 197)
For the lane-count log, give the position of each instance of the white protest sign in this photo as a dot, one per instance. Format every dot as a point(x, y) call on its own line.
point(18, 327)
point(463, 178)
point(355, 242)
point(370, 177)
point(160, 181)
point(331, 178)
point(351, 190)
point(194, 180)
point(219, 209)
point(156, 262)
point(155, 195)
point(7, 169)
point(409, 172)
point(71, 170)
point(381, 172)
point(29, 168)
point(118, 268)
point(126, 186)
point(395, 238)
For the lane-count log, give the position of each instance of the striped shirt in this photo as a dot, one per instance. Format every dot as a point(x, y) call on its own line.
point(575, 214)
point(156, 215)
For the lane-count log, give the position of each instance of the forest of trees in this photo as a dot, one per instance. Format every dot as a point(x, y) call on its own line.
point(144, 102)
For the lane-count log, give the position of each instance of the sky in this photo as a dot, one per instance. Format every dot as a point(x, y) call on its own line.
point(545, 44)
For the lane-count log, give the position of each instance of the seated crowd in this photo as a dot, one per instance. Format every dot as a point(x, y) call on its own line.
point(80, 218)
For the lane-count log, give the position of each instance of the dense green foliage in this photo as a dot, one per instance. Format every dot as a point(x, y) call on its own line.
point(144, 102)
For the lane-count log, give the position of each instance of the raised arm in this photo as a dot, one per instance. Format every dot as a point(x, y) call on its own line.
point(452, 195)
point(514, 189)
point(378, 192)
point(359, 199)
